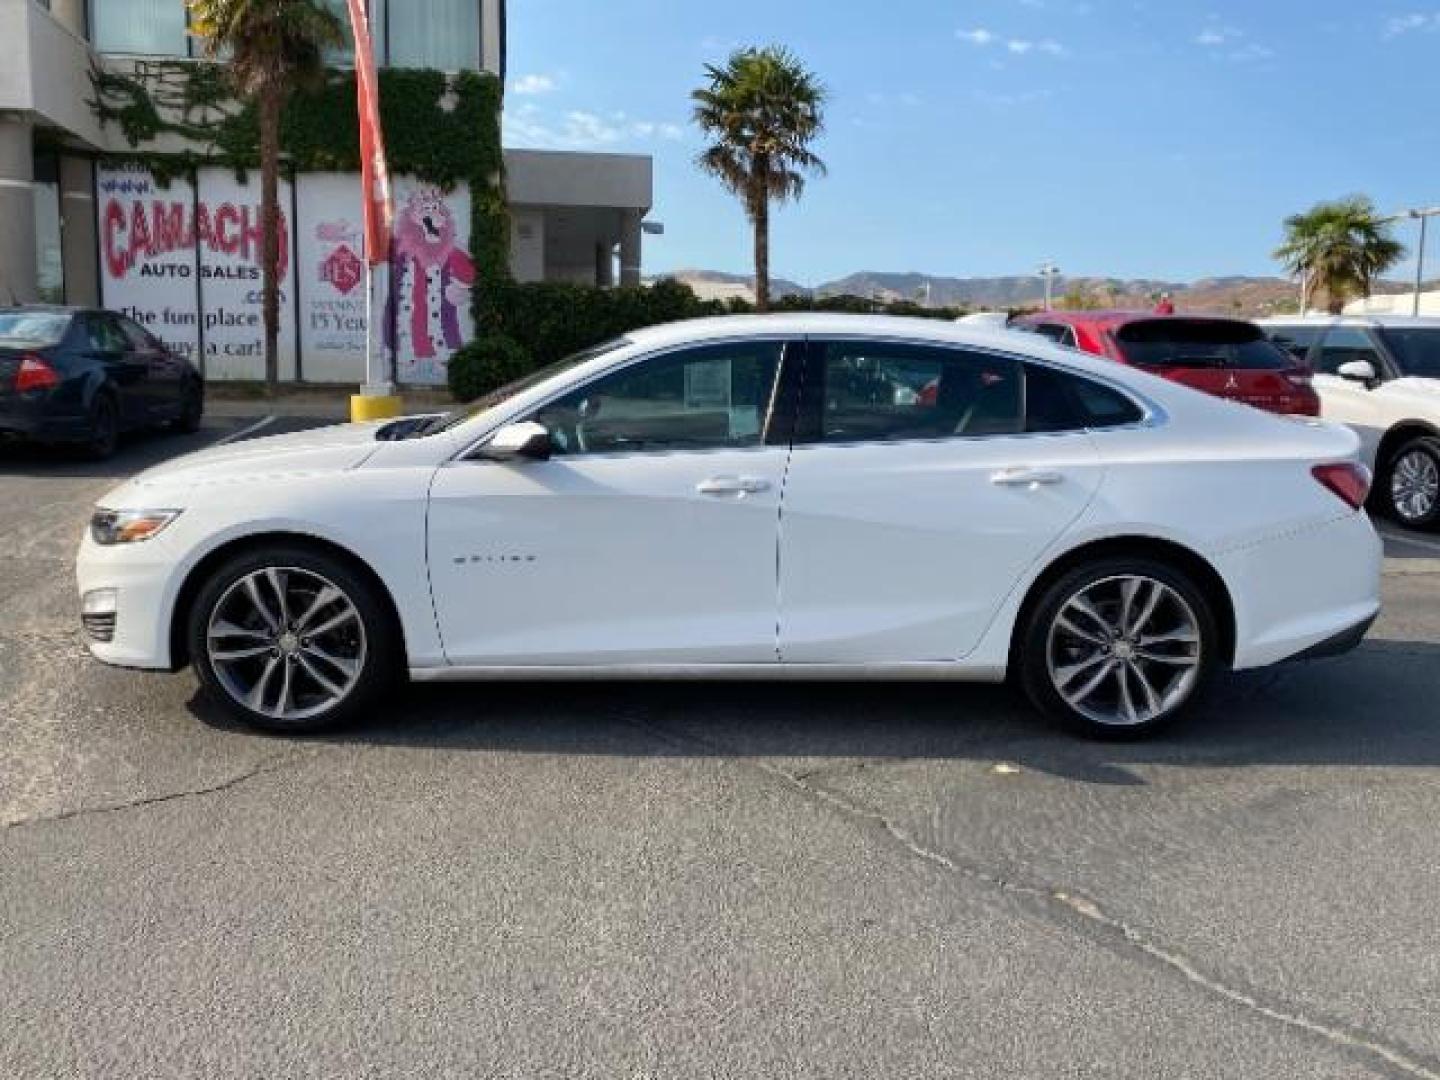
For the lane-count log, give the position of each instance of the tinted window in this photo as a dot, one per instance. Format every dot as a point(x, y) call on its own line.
point(1056, 332)
point(1049, 403)
point(1344, 344)
point(878, 391)
point(1296, 340)
point(1199, 343)
point(1417, 350)
point(712, 397)
point(104, 335)
point(33, 327)
point(138, 336)
point(1103, 407)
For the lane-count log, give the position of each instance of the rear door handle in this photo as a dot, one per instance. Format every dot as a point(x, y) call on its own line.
point(732, 485)
point(1026, 477)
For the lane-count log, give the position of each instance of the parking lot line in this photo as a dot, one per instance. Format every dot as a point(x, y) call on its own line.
point(1414, 541)
point(245, 432)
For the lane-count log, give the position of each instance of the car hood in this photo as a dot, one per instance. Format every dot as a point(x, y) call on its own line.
point(327, 449)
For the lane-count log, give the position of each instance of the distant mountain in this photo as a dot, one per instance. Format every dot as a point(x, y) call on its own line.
point(1235, 294)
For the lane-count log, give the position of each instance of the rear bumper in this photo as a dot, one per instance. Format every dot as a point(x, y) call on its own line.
point(1340, 644)
point(1308, 593)
point(41, 419)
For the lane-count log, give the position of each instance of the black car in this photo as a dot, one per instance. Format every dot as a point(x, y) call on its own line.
point(83, 376)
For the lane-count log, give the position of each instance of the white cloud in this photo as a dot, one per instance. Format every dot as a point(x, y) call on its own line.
point(1214, 36)
point(1015, 46)
point(980, 37)
point(529, 125)
point(1019, 47)
point(1406, 24)
point(532, 84)
point(1231, 43)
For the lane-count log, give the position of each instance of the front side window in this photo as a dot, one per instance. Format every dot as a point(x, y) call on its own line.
point(1344, 344)
point(1416, 350)
point(707, 398)
point(443, 34)
point(104, 335)
point(142, 27)
point(1296, 340)
point(874, 391)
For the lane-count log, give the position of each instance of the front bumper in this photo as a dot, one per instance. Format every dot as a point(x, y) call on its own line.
point(141, 578)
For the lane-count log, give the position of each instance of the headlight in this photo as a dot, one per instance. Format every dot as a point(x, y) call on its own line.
point(129, 526)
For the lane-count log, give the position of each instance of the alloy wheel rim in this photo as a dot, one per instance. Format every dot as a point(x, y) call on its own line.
point(1415, 485)
point(1124, 650)
point(286, 643)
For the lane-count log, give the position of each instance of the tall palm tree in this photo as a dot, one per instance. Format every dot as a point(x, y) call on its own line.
point(1341, 247)
point(761, 111)
point(272, 48)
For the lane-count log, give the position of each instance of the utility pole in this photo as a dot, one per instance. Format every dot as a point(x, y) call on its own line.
point(1423, 216)
point(1049, 271)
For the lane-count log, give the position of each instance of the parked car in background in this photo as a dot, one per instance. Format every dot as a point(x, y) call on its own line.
point(1229, 358)
point(84, 377)
point(1380, 375)
point(1109, 538)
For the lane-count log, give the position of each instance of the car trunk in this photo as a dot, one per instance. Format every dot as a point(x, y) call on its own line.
point(1224, 357)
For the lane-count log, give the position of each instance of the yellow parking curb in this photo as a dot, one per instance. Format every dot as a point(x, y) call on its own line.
point(364, 407)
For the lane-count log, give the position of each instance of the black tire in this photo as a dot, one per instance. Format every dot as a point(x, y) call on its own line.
point(1417, 462)
point(1174, 688)
point(380, 652)
point(192, 411)
point(104, 428)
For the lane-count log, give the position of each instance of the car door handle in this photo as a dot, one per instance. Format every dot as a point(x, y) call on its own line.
point(1026, 477)
point(732, 485)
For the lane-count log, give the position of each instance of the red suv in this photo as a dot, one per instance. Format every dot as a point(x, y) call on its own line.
point(1225, 357)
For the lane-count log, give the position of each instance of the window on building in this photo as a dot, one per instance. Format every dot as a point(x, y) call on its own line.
point(49, 258)
point(343, 55)
point(442, 34)
point(141, 27)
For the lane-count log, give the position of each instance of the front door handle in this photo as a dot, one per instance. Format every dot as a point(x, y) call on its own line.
point(732, 485)
point(1030, 478)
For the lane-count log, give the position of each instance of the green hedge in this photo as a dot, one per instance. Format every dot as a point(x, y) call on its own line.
point(486, 364)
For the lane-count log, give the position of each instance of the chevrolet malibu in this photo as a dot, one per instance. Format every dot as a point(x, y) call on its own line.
point(754, 497)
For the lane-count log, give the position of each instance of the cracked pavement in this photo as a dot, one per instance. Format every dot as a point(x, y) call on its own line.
point(733, 880)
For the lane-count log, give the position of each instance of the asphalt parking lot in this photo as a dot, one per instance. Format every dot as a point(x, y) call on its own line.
point(676, 881)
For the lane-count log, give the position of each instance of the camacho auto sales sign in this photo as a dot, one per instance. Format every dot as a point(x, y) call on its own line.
point(185, 262)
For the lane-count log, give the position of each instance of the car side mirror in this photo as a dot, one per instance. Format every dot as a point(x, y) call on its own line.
point(1362, 371)
point(525, 441)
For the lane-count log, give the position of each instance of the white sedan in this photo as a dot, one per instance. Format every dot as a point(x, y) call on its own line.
point(801, 496)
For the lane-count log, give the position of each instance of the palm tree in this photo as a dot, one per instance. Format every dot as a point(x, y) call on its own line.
point(272, 48)
point(1341, 247)
point(761, 111)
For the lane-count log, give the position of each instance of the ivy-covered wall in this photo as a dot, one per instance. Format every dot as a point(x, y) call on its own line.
point(440, 128)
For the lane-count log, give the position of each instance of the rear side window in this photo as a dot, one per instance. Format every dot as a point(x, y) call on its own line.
point(1059, 401)
point(875, 391)
point(33, 327)
point(1296, 340)
point(1200, 343)
point(1056, 332)
point(1417, 350)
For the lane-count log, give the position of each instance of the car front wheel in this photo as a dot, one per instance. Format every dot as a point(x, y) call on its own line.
point(1412, 485)
point(292, 639)
point(1118, 648)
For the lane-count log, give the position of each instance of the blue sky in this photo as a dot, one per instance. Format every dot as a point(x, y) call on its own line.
point(1140, 138)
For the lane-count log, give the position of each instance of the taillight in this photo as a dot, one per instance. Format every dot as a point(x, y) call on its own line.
point(1349, 481)
point(35, 374)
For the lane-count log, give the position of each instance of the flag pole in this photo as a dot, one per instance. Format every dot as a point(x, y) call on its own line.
point(376, 399)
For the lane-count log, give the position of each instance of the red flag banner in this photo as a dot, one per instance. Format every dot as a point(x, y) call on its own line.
point(374, 172)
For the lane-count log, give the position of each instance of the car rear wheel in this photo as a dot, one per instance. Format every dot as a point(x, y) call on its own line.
point(290, 639)
point(104, 428)
point(1118, 648)
point(1412, 483)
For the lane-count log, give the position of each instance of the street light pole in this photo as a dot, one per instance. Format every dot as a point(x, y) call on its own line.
point(1423, 216)
point(1049, 272)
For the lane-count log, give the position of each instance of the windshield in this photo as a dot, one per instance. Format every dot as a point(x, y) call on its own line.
point(1200, 343)
point(32, 327)
point(1416, 349)
point(512, 389)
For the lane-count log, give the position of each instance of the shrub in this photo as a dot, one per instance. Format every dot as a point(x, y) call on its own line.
point(486, 364)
